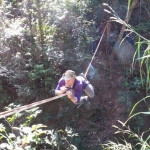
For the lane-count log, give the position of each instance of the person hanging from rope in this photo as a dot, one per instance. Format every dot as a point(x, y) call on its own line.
point(74, 86)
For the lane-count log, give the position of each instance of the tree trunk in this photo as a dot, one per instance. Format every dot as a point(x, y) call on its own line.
point(128, 15)
point(40, 25)
point(116, 45)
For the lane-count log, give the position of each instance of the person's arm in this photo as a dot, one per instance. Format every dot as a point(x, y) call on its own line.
point(75, 94)
point(62, 90)
point(71, 96)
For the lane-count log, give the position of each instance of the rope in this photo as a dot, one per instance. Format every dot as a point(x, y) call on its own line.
point(95, 52)
point(22, 108)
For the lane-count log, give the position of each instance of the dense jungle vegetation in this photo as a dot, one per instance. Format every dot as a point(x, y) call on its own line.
point(41, 39)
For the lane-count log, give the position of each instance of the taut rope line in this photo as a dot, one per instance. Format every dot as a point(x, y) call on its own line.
point(95, 52)
point(22, 108)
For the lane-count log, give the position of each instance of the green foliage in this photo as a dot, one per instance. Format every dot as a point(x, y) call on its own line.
point(38, 72)
point(50, 37)
point(125, 97)
point(143, 27)
point(44, 44)
point(5, 98)
point(129, 140)
point(136, 123)
point(145, 58)
point(42, 76)
point(26, 136)
point(132, 89)
point(94, 2)
point(133, 84)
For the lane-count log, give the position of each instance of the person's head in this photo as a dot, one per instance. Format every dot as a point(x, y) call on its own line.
point(69, 77)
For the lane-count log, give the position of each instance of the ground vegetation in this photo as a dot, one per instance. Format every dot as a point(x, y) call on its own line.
point(39, 40)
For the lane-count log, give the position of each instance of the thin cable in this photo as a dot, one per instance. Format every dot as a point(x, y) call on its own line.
point(95, 52)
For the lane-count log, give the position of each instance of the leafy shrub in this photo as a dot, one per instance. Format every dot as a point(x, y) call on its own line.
point(33, 137)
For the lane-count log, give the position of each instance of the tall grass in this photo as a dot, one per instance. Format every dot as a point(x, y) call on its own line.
point(141, 56)
point(128, 140)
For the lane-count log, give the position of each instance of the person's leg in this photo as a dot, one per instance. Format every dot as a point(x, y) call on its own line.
point(89, 90)
point(85, 102)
